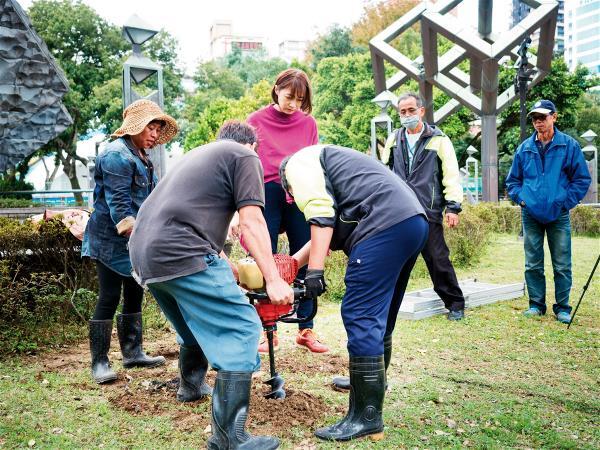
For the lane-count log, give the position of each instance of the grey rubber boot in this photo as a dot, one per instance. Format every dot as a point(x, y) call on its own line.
point(343, 383)
point(129, 329)
point(100, 333)
point(231, 397)
point(193, 366)
point(367, 390)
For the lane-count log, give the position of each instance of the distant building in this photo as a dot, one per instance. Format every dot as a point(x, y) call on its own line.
point(521, 10)
point(290, 50)
point(583, 34)
point(223, 41)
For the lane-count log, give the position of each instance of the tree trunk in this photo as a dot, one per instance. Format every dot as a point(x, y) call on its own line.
point(68, 157)
point(50, 176)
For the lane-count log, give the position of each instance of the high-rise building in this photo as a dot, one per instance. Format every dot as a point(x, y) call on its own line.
point(223, 41)
point(521, 10)
point(583, 34)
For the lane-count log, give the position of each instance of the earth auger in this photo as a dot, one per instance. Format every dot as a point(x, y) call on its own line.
point(269, 313)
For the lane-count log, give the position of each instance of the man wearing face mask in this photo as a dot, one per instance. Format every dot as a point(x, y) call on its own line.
point(423, 156)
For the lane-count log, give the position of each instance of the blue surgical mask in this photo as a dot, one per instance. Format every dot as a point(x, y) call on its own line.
point(410, 122)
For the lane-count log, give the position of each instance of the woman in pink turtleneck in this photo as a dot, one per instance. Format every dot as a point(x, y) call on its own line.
point(283, 128)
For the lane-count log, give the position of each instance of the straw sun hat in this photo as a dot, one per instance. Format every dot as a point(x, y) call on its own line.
point(139, 114)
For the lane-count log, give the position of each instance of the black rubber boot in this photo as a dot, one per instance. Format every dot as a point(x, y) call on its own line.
point(100, 331)
point(364, 418)
point(192, 372)
point(129, 329)
point(343, 383)
point(231, 397)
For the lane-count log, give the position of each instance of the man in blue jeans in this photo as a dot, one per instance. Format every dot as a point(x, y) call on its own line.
point(548, 178)
point(176, 250)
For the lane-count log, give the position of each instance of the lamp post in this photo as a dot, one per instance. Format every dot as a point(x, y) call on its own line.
point(521, 79)
point(471, 161)
point(384, 100)
point(590, 153)
point(136, 69)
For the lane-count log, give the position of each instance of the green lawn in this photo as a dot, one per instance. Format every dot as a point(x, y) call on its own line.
point(495, 380)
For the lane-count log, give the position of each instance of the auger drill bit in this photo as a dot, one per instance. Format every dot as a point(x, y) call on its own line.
point(276, 381)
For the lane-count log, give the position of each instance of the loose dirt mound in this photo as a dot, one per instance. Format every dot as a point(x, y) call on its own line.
point(156, 396)
point(151, 392)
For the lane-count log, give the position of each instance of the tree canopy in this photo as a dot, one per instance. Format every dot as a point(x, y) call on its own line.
point(89, 50)
point(337, 41)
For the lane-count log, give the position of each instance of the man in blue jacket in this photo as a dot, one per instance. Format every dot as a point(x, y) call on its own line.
point(548, 178)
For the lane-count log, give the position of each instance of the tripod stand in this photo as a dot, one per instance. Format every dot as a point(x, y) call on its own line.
point(584, 289)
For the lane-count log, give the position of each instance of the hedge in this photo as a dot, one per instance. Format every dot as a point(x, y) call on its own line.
point(46, 290)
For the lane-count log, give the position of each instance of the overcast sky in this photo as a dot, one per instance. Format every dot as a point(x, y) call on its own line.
point(190, 21)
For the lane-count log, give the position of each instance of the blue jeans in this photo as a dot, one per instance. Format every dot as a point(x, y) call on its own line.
point(208, 309)
point(283, 216)
point(559, 242)
point(376, 278)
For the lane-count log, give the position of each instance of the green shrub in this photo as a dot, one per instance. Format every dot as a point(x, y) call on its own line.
point(335, 270)
point(502, 218)
point(468, 241)
point(11, 202)
point(46, 290)
point(46, 247)
point(11, 183)
point(585, 220)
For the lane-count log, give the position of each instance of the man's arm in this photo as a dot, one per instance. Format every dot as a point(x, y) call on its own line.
point(320, 238)
point(302, 255)
point(257, 239)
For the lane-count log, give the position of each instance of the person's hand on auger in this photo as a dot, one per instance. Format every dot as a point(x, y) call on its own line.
point(314, 283)
point(279, 292)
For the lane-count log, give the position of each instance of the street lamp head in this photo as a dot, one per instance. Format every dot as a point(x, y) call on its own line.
point(385, 99)
point(136, 31)
point(589, 136)
point(471, 150)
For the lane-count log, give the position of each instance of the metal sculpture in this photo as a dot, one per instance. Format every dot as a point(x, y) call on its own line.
point(478, 89)
point(31, 89)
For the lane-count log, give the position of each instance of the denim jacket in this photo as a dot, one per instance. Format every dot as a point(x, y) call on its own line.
point(122, 183)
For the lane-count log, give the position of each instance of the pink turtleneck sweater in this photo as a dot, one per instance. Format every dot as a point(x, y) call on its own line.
point(281, 135)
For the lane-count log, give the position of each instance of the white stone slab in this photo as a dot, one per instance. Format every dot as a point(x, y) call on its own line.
point(426, 303)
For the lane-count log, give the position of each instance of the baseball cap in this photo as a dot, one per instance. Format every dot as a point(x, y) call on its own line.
point(543, 107)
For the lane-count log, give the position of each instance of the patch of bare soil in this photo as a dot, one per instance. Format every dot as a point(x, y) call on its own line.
point(155, 395)
point(281, 417)
point(151, 392)
point(77, 357)
point(69, 359)
point(300, 361)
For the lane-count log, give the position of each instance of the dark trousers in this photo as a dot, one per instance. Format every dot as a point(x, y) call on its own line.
point(283, 216)
point(109, 294)
point(376, 278)
point(437, 257)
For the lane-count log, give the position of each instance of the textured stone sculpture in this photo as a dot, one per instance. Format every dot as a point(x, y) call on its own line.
point(31, 88)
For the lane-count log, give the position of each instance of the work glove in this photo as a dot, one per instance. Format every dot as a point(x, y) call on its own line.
point(314, 283)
